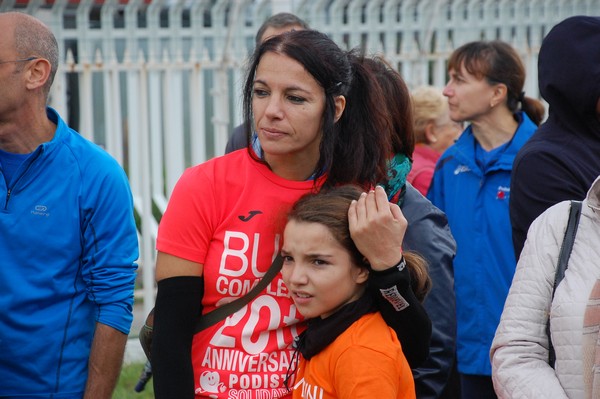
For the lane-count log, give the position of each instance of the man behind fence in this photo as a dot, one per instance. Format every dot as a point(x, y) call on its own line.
point(68, 240)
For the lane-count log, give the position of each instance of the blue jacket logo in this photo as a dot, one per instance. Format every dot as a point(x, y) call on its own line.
point(461, 169)
point(503, 193)
point(40, 210)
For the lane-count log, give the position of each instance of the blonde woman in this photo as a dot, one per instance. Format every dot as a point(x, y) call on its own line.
point(434, 133)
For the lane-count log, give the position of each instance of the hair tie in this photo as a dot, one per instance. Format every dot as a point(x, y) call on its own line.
point(521, 97)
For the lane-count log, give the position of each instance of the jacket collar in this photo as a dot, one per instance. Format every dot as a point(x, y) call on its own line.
point(59, 134)
point(464, 149)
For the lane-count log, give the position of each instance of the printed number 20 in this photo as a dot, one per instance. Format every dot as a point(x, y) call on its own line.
point(227, 335)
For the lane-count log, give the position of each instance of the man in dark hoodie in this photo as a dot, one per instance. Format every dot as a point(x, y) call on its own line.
point(562, 159)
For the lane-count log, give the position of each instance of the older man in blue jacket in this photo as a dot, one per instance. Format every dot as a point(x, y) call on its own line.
point(68, 240)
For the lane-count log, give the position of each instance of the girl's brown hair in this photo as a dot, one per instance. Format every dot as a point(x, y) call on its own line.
point(330, 209)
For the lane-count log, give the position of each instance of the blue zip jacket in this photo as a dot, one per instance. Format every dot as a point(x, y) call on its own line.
point(476, 204)
point(68, 244)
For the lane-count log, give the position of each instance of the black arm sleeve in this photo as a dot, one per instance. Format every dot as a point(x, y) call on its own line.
point(178, 306)
point(402, 312)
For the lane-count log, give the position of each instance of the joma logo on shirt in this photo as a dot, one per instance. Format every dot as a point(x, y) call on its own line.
point(309, 391)
point(251, 214)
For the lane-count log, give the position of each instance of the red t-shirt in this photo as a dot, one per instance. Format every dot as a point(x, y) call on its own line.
point(228, 214)
point(421, 173)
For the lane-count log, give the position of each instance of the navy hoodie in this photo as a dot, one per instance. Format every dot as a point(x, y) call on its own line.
point(562, 159)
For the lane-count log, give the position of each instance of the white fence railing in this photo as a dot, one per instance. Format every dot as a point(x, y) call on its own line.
point(158, 82)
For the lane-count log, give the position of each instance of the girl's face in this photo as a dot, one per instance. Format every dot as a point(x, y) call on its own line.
point(469, 98)
point(288, 106)
point(318, 271)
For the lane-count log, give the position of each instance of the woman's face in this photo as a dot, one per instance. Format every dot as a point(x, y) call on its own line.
point(318, 271)
point(288, 105)
point(469, 98)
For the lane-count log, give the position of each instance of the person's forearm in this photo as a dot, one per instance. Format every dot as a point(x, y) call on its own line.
point(106, 358)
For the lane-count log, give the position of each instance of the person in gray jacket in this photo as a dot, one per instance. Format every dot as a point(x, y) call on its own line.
point(428, 234)
point(520, 353)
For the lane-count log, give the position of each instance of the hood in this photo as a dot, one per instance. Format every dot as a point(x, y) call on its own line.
point(569, 74)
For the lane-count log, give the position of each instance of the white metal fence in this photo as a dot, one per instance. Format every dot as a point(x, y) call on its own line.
point(158, 82)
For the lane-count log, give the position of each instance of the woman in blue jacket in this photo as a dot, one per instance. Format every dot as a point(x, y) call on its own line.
point(471, 185)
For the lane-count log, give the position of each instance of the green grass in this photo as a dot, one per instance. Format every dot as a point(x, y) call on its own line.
point(130, 375)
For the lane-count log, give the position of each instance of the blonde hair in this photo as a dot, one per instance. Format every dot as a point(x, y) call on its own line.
point(429, 104)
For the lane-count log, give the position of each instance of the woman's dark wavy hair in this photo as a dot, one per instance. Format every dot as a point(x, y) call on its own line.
point(498, 62)
point(329, 208)
point(352, 150)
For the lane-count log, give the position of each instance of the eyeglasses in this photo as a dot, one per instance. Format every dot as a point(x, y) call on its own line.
point(21, 60)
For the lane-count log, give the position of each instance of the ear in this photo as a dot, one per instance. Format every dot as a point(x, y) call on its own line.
point(362, 275)
point(340, 105)
point(38, 73)
point(499, 94)
point(430, 136)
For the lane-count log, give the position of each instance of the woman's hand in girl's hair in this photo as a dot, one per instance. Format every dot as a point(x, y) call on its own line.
point(377, 228)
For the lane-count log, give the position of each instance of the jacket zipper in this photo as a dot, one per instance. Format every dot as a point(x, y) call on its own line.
point(7, 198)
point(9, 189)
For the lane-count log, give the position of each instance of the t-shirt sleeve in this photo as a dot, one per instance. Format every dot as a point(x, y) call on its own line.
point(187, 225)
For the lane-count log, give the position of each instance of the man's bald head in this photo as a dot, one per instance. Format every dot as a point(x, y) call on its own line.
point(30, 38)
point(277, 24)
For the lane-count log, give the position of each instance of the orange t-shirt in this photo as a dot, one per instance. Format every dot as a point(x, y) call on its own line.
point(365, 361)
point(228, 214)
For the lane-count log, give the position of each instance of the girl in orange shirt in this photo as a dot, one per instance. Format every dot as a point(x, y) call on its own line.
point(348, 351)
